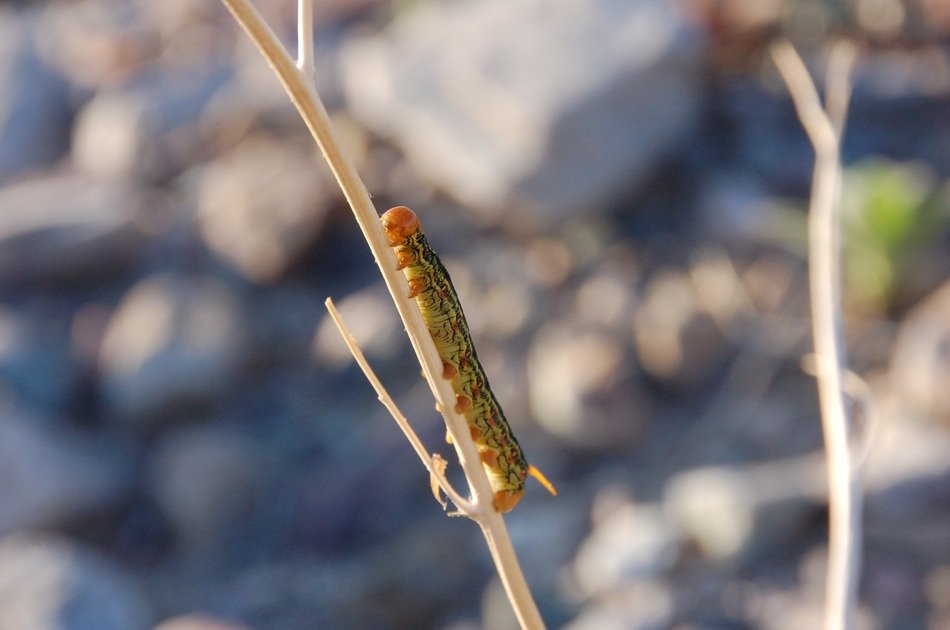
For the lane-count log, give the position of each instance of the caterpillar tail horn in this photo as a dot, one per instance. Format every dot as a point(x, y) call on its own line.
point(537, 474)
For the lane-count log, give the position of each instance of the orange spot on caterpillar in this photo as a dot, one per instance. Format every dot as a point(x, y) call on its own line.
point(537, 474)
point(489, 458)
point(416, 286)
point(448, 371)
point(400, 223)
point(462, 403)
point(404, 258)
point(506, 500)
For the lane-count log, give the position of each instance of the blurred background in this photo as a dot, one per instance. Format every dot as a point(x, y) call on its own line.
point(618, 188)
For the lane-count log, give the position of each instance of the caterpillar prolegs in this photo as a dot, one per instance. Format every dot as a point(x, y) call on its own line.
point(430, 285)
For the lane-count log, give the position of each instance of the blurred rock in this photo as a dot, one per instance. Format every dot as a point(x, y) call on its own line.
point(906, 475)
point(561, 107)
point(606, 297)
point(35, 361)
point(97, 42)
point(581, 388)
point(734, 208)
point(629, 542)
point(203, 480)
point(640, 604)
point(68, 228)
point(34, 115)
point(150, 130)
point(735, 512)
point(173, 340)
point(262, 206)
point(332, 497)
point(49, 583)
point(920, 363)
point(53, 475)
point(199, 622)
point(546, 531)
point(370, 317)
point(678, 343)
point(402, 584)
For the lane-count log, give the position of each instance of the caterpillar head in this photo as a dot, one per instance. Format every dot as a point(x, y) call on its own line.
point(400, 223)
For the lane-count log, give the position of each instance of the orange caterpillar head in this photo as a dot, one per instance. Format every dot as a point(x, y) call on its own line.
point(400, 223)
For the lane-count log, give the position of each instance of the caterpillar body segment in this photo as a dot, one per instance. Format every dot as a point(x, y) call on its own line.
point(431, 287)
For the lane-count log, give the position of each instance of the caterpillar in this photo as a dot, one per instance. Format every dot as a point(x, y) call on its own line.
point(432, 288)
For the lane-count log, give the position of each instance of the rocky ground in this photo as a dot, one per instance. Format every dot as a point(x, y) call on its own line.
point(618, 189)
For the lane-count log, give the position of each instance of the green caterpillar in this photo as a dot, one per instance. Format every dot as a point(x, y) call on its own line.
point(430, 285)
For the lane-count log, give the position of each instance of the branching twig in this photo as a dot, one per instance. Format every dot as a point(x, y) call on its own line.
point(824, 128)
point(464, 506)
point(301, 91)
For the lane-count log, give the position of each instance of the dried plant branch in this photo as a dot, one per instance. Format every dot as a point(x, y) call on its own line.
point(466, 508)
point(304, 96)
point(305, 57)
point(824, 128)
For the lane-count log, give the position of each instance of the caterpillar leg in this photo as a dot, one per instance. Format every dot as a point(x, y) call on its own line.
point(404, 258)
point(416, 286)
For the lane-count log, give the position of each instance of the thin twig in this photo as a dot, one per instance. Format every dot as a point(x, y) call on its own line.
point(824, 129)
point(463, 505)
point(303, 94)
point(305, 57)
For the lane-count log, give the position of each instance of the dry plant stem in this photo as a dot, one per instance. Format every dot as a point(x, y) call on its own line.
point(305, 58)
point(311, 109)
point(464, 506)
point(824, 128)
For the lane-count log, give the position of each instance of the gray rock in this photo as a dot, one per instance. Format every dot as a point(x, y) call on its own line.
point(150, 130)
point(203, 480)
point(370, 316)
point(261, 206)
point(906, 474)
point(34, 113)
point(641, 605)
point(68, 228)
point(920, 363)
point(199, 622)
point(97, 43)
point(35, 359)
point(678, 342)
point(53, 475)
point(561, 106)
point(173, 340)
point(49, 583)
point(630, 542)
point(581, 388)
point(733, 512)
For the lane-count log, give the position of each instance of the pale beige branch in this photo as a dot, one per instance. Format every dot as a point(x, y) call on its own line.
point(824, 130)
point(435, 470)
point(303, 94)
point(838, 84)
point(860, 393)
point(305, 58)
